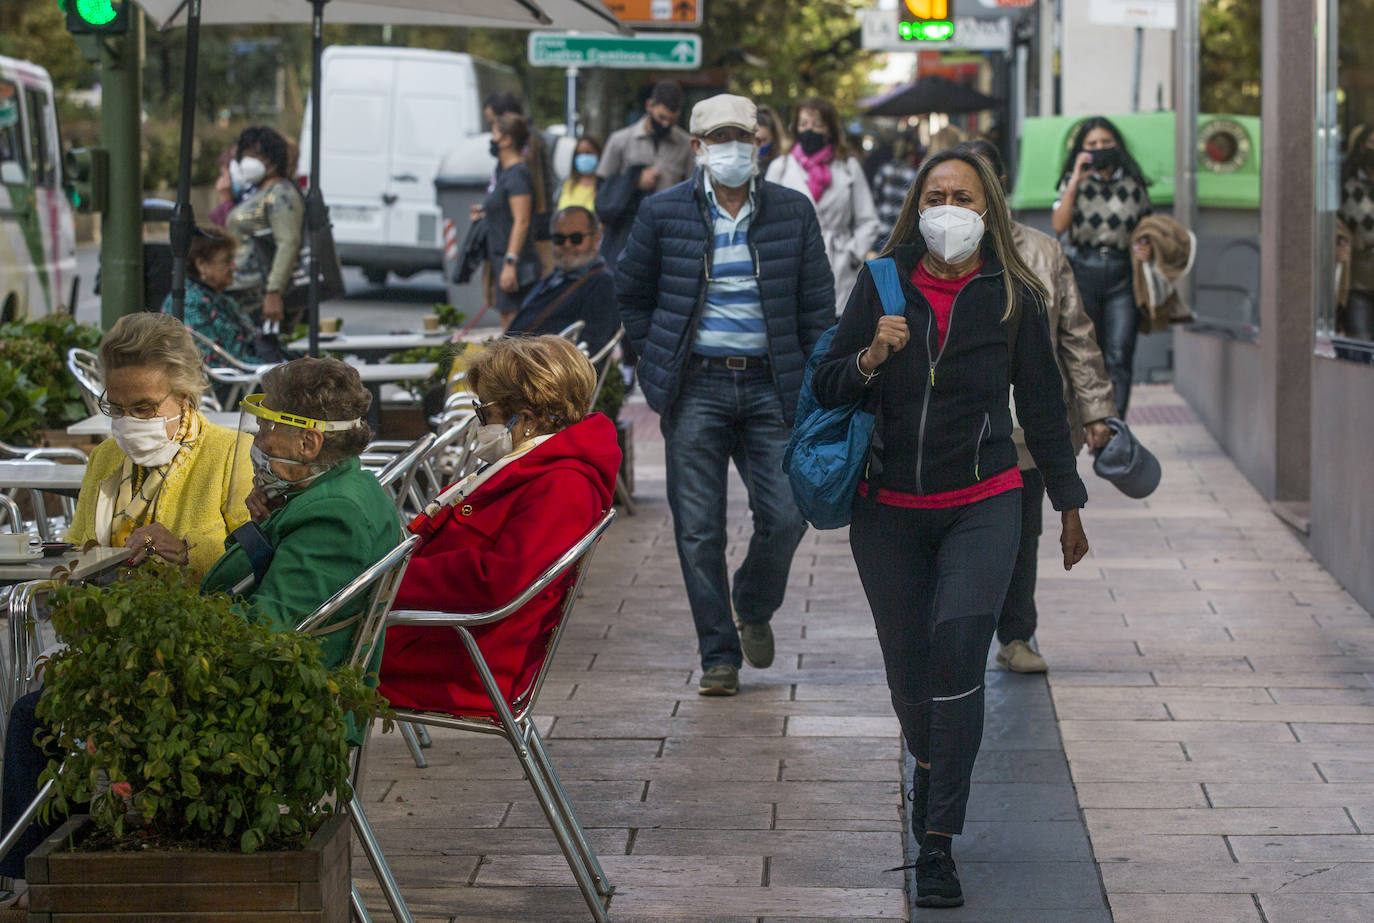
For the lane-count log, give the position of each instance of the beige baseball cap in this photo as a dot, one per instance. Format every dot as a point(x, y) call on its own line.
point(724, 110)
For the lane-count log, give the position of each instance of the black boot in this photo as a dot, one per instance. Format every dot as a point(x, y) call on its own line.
point(937, 881)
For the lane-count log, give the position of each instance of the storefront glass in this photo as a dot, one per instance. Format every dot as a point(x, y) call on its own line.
point(1345, 180)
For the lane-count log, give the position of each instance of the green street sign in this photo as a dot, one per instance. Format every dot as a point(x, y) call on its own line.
point(659, 51)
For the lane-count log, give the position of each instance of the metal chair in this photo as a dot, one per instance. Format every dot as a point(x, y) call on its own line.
point(573, 330)
point(398, 475)
point(601, 362)
point(511, 717)
point(11, 511)
point(43, 524)
point(236, 378)
point(85, 368)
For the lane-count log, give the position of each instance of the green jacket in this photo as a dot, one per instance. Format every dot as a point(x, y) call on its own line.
point(325, 536)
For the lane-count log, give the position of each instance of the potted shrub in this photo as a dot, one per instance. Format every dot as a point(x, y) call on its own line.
point(207, 749)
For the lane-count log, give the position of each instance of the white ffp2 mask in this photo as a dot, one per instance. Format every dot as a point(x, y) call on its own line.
point(253, 170)
point(731, 163)
point(145, 441)
point(952, 232)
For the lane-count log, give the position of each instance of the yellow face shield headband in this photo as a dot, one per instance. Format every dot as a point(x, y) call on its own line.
point(253, 404)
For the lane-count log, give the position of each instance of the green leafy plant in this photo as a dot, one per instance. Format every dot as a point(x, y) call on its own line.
point(179, 720)
point(443, 355)
point(39, 347)
point(23, 405)
point(450, 318)
point(612, 396)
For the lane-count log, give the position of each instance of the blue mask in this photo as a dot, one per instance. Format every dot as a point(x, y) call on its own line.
point(585, 163)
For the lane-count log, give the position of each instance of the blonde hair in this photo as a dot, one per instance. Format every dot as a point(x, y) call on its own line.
point(1017, 276)
point(547, 375)
point(158, 341)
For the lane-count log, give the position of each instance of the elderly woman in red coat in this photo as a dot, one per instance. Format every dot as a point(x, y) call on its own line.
point(550, 477)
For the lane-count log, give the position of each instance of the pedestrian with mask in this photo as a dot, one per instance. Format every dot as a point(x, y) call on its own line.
point(772, 138)
point(724, 290)
point(937, 517)
point(821, 167)
point(508, 209)
point(1088, 395)
point(580, 187)
point(1102, 198)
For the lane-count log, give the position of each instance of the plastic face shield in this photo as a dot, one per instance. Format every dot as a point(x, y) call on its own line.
point(259, 426)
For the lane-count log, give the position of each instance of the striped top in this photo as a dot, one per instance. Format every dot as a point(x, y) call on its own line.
point(732, 321)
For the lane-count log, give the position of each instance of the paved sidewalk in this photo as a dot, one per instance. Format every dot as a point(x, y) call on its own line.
point(1211, 683)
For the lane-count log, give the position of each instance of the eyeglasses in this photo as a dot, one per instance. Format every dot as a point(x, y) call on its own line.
point(140, 410)
point(575, 238)
point(477, 408)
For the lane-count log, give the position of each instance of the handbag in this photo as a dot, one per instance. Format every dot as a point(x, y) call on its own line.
point(321, 241)
point(826, 455)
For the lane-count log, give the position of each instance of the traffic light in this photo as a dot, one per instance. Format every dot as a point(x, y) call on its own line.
point(88, 173)
point(104, 17)
point(924, 21)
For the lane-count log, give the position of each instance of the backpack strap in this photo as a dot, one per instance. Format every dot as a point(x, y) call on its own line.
point(884, 271)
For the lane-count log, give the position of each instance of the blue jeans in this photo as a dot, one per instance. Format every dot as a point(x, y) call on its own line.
point(722, 415)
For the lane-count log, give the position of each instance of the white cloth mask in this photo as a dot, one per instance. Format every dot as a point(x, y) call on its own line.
point(145, 441)
point(731, 163)
point(253, 170)
point(952, 232)
point(493, 441)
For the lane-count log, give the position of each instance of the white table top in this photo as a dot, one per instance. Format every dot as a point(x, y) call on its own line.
point(99, 425)
point(41, 475)
point(381, 372)
point(83, 564)
point(374, 342)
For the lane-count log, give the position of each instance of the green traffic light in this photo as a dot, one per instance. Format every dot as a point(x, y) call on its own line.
point(95, 12)
point(939, 30)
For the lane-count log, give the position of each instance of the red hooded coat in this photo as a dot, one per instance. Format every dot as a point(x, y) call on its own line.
point(479, 553)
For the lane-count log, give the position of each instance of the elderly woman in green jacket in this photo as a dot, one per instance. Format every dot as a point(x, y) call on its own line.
point(325, 519)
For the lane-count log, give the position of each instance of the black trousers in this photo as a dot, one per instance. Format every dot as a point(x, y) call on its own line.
point(935, 580)
point(24, 763)
point(1018, 612)
point(1104, 281)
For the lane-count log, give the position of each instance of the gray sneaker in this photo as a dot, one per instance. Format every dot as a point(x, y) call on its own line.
point(757, 644)
point(722, 679)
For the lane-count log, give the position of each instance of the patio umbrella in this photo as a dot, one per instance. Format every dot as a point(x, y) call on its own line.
point(508, 14)
point(929, 94)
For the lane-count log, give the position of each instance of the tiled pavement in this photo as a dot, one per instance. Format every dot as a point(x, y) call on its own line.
point(1212, 686)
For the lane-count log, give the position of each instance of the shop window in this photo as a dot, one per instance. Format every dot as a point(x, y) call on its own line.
point(1345, 180)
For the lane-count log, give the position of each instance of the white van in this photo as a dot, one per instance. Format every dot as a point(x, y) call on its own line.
point(390, 114)
point(37, 232)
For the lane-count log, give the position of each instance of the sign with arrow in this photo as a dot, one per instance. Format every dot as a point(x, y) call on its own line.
point(659, 51)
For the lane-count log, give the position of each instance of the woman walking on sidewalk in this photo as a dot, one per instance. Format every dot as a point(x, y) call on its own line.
point(937, 520)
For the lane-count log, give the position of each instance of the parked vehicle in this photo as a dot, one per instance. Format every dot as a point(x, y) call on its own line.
point(37, 231)
point(390, 115)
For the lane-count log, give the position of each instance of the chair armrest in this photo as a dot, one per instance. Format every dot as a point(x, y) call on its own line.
point(435, 619)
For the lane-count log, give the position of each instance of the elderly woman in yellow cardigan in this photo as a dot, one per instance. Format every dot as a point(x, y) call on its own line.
point(168, 483)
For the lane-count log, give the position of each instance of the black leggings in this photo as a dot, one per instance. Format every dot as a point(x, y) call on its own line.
point(1104, 281)
point(935, 580)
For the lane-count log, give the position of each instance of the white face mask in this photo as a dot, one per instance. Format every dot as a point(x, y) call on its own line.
point(145, 441)
point(253, 170)
point(493, 441)
point(731, 163)
point(952, 232)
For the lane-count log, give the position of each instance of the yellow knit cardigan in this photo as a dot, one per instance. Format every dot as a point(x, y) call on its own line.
point(197, 502)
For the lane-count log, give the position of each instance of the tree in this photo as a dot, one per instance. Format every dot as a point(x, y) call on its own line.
point(36, 30)
point(1229, 65)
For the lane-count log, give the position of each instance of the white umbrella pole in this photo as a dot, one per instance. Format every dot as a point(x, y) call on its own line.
point(183, 215)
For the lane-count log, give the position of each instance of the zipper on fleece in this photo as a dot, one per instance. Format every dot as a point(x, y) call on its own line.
point(978, 447)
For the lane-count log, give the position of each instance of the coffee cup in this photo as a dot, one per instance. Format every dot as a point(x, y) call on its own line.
point(14, 543)
point(431, 321)
point(330, 324)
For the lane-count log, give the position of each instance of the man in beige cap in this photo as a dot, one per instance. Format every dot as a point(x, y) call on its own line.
point(724, 289)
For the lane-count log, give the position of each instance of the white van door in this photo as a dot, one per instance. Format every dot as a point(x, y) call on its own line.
point(431, 111)
point(354, 164)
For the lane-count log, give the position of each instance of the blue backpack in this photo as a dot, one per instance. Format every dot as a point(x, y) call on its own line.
point(828, 451)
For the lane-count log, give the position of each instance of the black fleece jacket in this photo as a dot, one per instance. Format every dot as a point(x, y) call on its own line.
point(945, 421)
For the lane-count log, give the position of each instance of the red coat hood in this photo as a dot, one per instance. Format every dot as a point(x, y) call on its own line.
point(589, 447)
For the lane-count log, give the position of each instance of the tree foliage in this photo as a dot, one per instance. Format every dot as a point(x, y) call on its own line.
point(1229, 65)
point(36, 30)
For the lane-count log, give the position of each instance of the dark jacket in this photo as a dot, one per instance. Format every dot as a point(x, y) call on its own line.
point(661, 284)
point(617, 199)
point(593, 302)
point(945, 422)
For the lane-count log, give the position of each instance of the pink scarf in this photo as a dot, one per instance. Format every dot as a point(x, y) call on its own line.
point(817, 167)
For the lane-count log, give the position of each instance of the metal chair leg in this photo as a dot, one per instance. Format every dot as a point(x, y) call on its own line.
point(412, 744)
point(15, 832)
point(423, 733)
point(377, 860)
point(555, 785)
point(360, 913)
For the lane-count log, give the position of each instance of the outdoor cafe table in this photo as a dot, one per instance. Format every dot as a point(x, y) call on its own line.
point(374, 345)
point(42, 475)
point(82, 563)
point(99, 425)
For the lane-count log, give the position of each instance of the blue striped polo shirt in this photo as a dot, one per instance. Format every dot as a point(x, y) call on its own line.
point(732, 321)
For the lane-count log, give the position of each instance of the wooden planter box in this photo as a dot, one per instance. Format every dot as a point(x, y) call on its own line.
point(310, 884)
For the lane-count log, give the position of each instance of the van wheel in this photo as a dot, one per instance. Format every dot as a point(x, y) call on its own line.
point(375, 276)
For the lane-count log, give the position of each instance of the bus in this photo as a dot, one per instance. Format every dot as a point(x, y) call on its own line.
point(37, 230)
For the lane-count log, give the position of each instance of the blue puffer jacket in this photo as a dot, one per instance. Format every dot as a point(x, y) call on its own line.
point(661, 284)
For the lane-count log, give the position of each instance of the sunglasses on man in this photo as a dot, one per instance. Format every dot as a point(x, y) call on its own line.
point(575, 238)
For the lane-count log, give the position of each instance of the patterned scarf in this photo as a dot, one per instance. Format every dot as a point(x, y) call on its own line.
point(817, 167)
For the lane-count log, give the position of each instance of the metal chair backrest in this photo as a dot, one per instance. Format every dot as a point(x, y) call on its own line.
point(573, 330)
point(384, 579)
point(398, 477)
point(572, 562)
point(443, 464)
point(601, 362)
point(220, 352)
point(85, 368)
